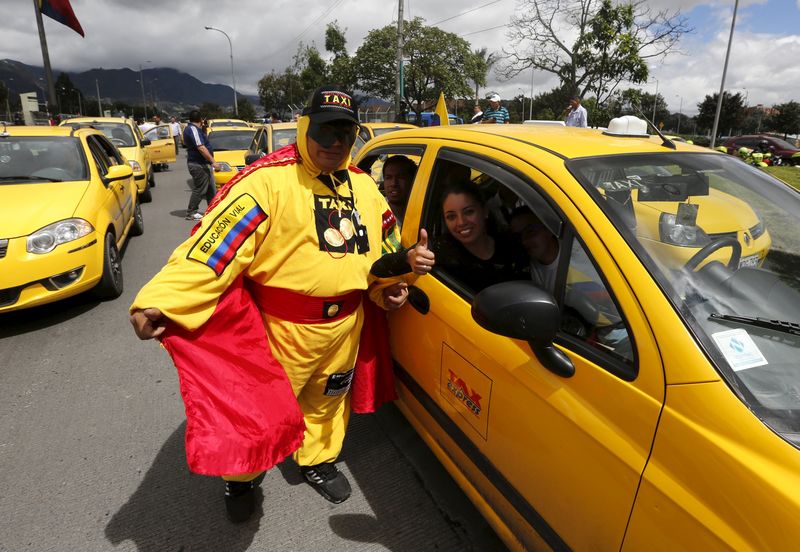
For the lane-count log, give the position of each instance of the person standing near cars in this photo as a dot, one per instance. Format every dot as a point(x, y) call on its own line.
point(175, 129)
point(576, 114)
point(477, 116)
point(274, 279)
point(200, 160)
point(496, 114)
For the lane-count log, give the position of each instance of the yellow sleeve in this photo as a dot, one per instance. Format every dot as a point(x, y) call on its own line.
point(186, 290)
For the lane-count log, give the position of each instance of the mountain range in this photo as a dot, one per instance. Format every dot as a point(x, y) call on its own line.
point(165, 86)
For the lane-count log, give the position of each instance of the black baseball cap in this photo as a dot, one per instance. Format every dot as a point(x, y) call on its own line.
point(331, 103)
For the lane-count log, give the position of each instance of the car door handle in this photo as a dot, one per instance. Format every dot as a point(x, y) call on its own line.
point(419, 299)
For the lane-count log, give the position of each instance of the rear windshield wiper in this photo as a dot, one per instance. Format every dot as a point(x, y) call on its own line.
point(28, 177)
point(777, 325)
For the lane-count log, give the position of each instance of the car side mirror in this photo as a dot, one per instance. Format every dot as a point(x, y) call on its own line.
point(521, 310)
point(146, 142)
point(251, 158)
point(118, 172)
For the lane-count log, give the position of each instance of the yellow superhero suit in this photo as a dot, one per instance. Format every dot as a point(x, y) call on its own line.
point(282, 227)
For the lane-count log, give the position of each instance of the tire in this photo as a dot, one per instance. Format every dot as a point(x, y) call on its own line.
point(147, 195)
point(152, 180)
point(137, 229)
point(111, 284)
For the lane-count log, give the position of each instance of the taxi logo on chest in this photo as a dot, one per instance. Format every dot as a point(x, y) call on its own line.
point(339, 227)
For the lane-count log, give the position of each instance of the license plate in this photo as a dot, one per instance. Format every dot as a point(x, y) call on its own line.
point(751, 261)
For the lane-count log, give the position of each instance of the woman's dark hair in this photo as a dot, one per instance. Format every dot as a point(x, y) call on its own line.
point(465, 188)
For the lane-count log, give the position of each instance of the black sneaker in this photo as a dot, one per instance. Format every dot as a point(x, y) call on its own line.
point(328, 481)
point(240, 499)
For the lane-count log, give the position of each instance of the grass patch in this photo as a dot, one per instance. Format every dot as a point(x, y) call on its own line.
point(790, 175)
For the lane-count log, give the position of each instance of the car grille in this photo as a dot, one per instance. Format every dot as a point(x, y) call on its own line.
point(757, 231)
point(3, 248)
point(721, 235)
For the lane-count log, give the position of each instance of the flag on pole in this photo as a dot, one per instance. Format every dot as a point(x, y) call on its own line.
point(440, 117)
point(61, 11)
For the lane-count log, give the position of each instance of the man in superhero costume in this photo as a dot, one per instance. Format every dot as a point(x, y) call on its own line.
point(262, 311)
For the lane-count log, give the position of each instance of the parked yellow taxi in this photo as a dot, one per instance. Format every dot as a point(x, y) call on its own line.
point(592, 380)
point(230, 146)
point(271, 137)
point(125, 135)
point(368, 131)
point(161, 146)
point(227, 123)
point(68, 203)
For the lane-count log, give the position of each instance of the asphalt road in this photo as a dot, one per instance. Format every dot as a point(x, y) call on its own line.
point(92, 456)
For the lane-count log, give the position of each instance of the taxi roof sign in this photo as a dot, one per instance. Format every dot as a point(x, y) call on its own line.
point(628, 125)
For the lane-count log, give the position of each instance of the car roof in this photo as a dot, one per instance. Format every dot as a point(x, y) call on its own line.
point(565, 142)
point(122, 120)
point(279, 126)
point(388, 125)
point(33, 130)
point(230, 128)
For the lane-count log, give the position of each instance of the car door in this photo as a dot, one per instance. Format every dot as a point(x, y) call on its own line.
point(553, 454)
point(115, 192)
point(162, 146)
point(127, 189)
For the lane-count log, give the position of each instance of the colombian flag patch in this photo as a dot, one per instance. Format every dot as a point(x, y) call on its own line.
point(217, 245)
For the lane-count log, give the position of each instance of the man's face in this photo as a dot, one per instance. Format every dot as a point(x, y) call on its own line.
point(495, 105)
point(396, 183)
point(477, 108)
point(533, 235)
point(574, 104)
point(329, 143)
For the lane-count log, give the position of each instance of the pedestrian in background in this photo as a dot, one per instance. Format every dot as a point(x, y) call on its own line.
point(496, 114)
point(477, 117)
point(576, 114)
point(200, 160)
point(175, 129)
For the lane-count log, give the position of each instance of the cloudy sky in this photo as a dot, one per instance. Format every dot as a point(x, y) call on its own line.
point(265, 34)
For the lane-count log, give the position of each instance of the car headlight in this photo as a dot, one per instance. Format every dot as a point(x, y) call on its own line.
point(135, 166)
point(224, 167)
point(46, 239)
point(680, 234)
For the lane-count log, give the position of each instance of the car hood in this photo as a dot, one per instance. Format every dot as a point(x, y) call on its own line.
point(232, 157)
point(41, 203)
point(130, 152)
point(717, 212)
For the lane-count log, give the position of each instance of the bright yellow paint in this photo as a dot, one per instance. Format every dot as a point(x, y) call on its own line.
point(29, 206)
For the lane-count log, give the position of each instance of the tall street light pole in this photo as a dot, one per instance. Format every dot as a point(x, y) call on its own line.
point(233, 75)
point(655, 101)
point(724, 73)
point(141, 82)
point(680, 114)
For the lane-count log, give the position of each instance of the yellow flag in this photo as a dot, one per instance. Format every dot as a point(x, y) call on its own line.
point(441, 110)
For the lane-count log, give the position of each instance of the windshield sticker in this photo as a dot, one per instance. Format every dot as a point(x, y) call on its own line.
point(739, 349)
point(631, 183)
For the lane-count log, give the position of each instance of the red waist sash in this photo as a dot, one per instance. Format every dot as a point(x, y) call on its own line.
point(304, 309)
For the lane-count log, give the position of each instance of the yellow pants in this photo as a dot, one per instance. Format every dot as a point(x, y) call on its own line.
point(310, 354)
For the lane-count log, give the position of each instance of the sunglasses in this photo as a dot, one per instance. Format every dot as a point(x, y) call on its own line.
point(327, 134)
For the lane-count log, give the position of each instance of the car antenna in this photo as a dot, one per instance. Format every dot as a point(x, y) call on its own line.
point(666, 142)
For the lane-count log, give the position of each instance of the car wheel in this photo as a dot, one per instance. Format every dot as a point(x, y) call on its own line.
point(152, 180)
point(138, 221)
point(110, 285)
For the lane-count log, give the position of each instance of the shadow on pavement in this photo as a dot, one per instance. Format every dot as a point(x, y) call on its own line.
point(36, 318)
point(174, 509)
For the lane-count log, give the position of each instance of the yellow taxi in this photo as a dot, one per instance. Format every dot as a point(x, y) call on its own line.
point(368, 131)
point(273, 136)
point(230, 146)
point(631, 400)
point(227, 123)
point(68, 203)
point(161, 146)
point(126, 136)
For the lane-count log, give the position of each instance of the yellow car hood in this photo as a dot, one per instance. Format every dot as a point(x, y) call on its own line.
point(129, 152)
point(41, 203)
point(234, 158)
point(717, 212)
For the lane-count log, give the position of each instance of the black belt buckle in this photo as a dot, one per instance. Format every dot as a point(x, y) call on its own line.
point(331, 309)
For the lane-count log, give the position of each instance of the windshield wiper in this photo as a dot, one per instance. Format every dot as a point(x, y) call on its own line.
point(777, 325)
point(28, 177)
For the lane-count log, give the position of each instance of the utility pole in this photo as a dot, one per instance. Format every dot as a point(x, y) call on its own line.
point(398, 86)
point(48, 72)
point(530, 115)
point(722, 84)
point(144, 99)
point(99, 105)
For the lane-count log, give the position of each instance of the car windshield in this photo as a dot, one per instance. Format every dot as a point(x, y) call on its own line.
point(231, 139)
point(41, 159)
point(382, 131)
point(228, 124)
point(119, 134)
point(283, 137)
point(721, 239)
point(783, 144)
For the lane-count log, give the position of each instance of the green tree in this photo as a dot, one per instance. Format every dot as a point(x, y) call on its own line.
point(785, 119)
point(246, 110)
point(5, 103)
point(437, 61)
point(311, 67)
point(67, 95)
point(731, 115)
point(340, 66)
point(277, 91)
point(211, 110)
point(591, 45)
point(478, 69)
